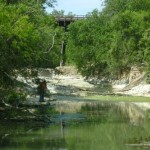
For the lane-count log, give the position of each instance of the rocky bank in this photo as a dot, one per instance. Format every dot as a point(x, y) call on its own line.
point(67, 81)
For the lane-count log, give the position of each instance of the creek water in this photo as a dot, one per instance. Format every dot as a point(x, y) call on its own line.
point(102, 126)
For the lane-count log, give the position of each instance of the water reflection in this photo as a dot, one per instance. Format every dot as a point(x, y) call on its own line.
point(102, 126)
point(37, 138)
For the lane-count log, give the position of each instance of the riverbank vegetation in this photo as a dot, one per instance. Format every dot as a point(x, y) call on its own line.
point(110, 42)
point(29, 38)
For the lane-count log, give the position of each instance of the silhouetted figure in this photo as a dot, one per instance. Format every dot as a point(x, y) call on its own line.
point(41, 90)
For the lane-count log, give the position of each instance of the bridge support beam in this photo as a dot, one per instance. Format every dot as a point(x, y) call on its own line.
point(64, 21)
point(63, 57)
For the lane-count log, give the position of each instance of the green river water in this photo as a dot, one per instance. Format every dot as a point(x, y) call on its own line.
point(100, 128)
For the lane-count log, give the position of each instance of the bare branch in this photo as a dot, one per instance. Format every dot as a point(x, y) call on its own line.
point(6, 104)
point(53, 42)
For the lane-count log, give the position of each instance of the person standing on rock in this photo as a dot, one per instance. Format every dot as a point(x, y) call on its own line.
point(41, 90)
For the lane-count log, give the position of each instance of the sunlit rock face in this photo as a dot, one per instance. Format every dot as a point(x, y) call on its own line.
point(62, 81)
point(67, 81)
point(132, 83)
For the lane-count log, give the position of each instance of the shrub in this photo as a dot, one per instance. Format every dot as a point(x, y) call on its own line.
point(15, 97)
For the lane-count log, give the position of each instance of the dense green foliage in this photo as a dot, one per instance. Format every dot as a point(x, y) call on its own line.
point(111, 41)
point(105, 43)
point(29, 37)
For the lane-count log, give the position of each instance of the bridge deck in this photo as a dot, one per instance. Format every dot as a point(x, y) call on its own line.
point(69, 18)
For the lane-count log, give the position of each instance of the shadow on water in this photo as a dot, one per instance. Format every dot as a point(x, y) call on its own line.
point(93, 126)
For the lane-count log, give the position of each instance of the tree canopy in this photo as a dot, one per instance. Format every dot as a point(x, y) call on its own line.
point(113, 40)
point(29, 37)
